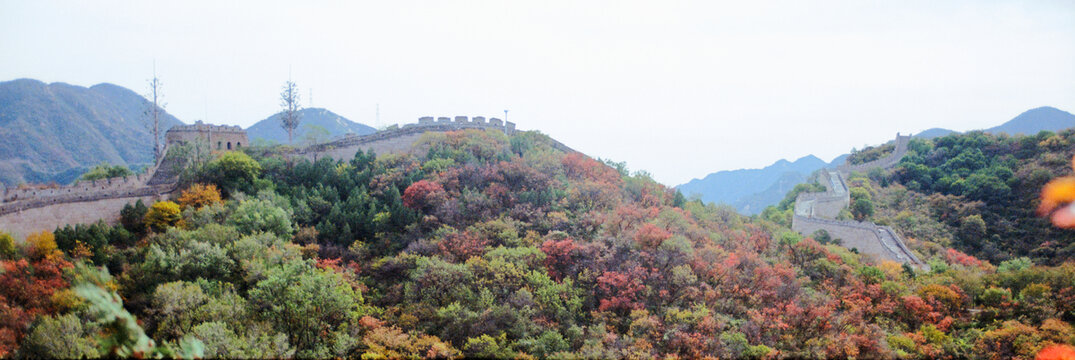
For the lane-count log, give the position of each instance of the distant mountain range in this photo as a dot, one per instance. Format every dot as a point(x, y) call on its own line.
point(315, 124)
point(751, 190)
point(55, 132)
point(1029, 122)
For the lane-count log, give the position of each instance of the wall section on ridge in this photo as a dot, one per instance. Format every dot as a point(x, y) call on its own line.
point(49, 217)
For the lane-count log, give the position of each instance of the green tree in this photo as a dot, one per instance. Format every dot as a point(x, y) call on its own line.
point(133, 217)
point(862, 208)
point(61, 337)
point(123, 336)
point(306, 303)
point(259, 215)
point(972, 231)
point(233, 171)
point(7, 246)
point(105, 171)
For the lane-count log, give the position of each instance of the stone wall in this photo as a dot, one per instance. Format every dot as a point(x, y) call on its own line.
point(867, 238)
point(818, 211)
point(219, 137)
point(828, 204)
point(402, 139)
point(75, 191)
point(49, 217)
point(886, 162)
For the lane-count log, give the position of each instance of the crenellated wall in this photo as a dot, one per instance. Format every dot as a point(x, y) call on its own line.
point(219, 137)
point(818, 211)
point(28, 209)
point(398, 139)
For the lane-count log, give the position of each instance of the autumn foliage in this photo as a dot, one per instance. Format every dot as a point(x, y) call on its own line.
point(199, 195)
point(492, 245)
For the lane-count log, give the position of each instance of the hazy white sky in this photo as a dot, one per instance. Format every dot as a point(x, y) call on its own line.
point(679, 89)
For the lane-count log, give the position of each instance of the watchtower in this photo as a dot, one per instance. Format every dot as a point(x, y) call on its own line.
point(218, 137)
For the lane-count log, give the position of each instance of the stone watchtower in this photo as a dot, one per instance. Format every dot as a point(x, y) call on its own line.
point(218, 137)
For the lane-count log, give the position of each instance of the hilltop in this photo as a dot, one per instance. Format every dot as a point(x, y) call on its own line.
point(54, 132)
point(317, 124)
point(1032, 121)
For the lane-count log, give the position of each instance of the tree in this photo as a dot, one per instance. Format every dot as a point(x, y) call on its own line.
point(132, 216)
point(423, 195)
point(58, 337)
point(105, 171)
point(41, 245)
point(153, 114)
point(306, 303)
point(7, 246)
point(290, 116)
point(198, 196)
point(162, 215)
point(258, 215)
point(122, 335)
point(233, 171)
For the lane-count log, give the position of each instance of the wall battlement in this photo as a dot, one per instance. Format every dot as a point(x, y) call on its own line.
point(457, 123)
point(218, 137)
point(79, 188)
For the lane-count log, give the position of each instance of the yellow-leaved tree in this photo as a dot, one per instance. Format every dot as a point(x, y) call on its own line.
point(162, 215)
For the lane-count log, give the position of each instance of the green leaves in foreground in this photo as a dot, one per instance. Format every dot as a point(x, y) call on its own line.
point(123, 336)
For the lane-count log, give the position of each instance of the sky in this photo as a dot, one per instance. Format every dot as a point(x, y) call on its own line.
point(678, 89)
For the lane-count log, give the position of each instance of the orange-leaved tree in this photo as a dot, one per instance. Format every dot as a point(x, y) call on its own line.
point(198, 196)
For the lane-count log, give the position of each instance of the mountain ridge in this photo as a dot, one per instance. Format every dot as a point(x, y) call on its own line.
point(56, 130)
point(751, 192)
point(311, 119)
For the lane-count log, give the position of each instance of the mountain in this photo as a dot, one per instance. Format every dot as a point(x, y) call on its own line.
point(751, 190)
point(1033, 121)
point(54, 132)
point(934, 133)
point(735, 186)
point(312, 118)
point(1030, 122)
point(755, 203)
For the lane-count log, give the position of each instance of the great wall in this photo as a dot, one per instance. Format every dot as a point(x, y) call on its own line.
point(819, 211)
point(29, 209)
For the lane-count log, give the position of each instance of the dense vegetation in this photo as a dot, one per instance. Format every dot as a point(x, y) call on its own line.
point(494, 246)
point(870, 153)
point(978, 192)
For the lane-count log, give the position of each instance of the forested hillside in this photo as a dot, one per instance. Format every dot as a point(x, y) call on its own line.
point(486, 245)
point(55, 132)
point(978, 193)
